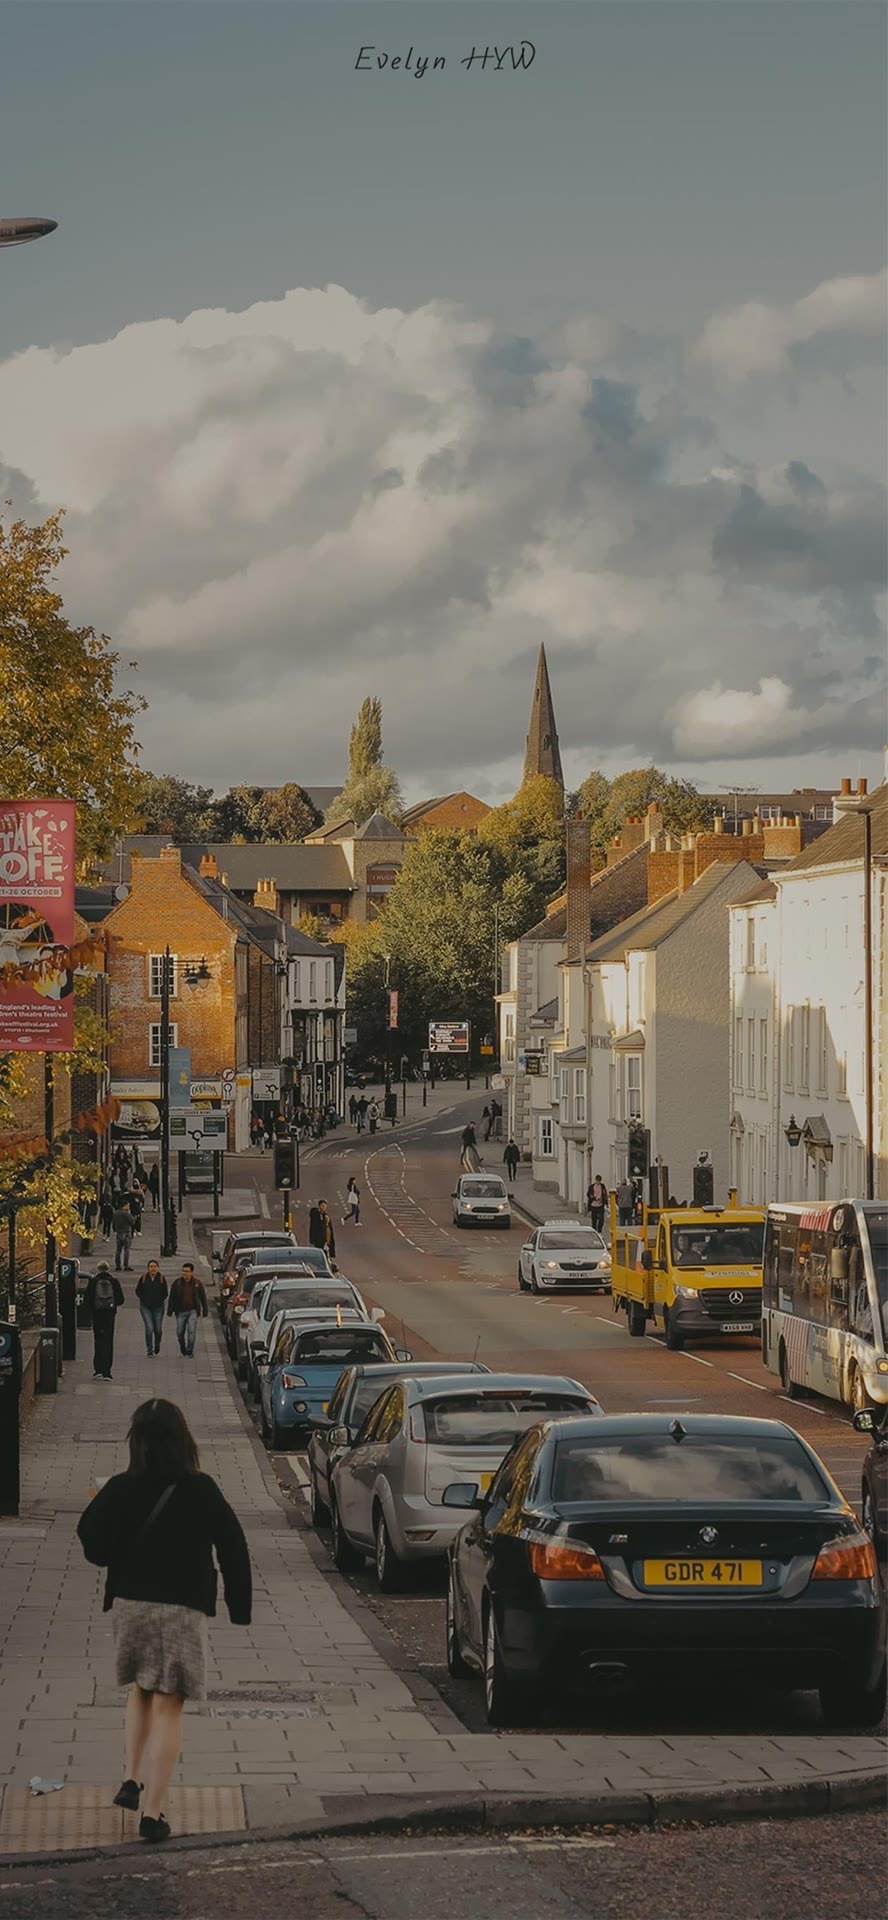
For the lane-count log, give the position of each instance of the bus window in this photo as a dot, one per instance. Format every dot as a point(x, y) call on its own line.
point(862, 1315)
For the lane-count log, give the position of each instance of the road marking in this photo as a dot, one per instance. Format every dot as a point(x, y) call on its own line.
point(822, 1412)
point(298, 1469)
point(570, 1309)
point(749, 1383)
point(264, 1208)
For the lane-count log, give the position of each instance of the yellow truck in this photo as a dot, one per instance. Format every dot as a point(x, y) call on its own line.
point(695, 1270)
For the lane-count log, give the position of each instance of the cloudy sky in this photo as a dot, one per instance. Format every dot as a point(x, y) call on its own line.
point(367, 381)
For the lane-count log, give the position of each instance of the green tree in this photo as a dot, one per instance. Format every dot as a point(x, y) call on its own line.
point(528, 836)
point(175, 807)
point(285, 815)
point(607, 804)
point(371, 787)
point(66, 729)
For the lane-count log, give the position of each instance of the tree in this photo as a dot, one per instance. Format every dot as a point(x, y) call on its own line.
point(66, 731)
point(528, 835)
point(175, 807)
point(370, 787)
point(607, 804)
point(285, 815)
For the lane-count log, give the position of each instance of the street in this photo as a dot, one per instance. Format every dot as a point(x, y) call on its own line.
point(450, 1293)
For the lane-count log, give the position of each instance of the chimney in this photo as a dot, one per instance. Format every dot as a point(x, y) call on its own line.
point(266, 895)
point(783, 838)
point(173, 857)
point(578, 886)
point(846, 786)
point(847, 800)
point(718, 824)
point(861, 788)
point(654, 821)
point(208, 866)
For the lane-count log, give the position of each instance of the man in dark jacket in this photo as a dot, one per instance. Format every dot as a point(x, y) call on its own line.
point(320, 1229)
point(511, 1158)
point(187, 1300)
point(124, 1227)
point(104, 1294)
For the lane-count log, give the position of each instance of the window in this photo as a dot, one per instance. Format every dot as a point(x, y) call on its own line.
point(545, 1137)
point(805, 1049)
point(763, 1170)
point(328, 979)
point(312, 980)
point(389, 1425)
point(823, 813)
point(613, 1089)
point(842, 1080)
point(565, 1086)
point(154, 1040)
point(509, 1047)
point(822, 1044)
point(738, 1052)
point(843, 1166)
point(763, 1056)
point(750, 943)
point(580, 1095)
point(633, 1086)
point(750, 1055)
point(155, 975)
point(789, 1049)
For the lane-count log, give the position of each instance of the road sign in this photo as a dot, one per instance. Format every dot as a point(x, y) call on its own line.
point(350, 1036)
point(228, 1075)
point(448, 1036)
point(266, 1083)
point(192, 1127)
point(486, 1049)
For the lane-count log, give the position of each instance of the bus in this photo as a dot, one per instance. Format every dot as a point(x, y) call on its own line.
point(825, 1300)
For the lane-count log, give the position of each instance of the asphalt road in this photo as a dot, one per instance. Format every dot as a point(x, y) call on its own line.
point(828, 1869)
point(452, 1294)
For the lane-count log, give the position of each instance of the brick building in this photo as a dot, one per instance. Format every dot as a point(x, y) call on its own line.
point(452, 810)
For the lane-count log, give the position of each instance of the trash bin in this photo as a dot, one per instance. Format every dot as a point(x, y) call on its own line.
point(48, 1355)
point(10, 1397)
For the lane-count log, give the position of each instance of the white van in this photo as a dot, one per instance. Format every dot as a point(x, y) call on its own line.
point(481, 1200)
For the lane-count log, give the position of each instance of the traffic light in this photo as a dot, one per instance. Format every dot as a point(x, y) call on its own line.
point(639, 1152)
point(284, 1165)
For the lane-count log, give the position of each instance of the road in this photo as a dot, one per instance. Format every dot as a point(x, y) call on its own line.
point(828, 1869)
point(452, 1294)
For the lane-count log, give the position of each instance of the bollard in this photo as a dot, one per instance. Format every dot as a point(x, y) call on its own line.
point(10, 1398)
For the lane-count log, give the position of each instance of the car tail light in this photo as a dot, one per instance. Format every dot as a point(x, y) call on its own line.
point(240, 1300)
point(850, 1559)
point(564, 1560)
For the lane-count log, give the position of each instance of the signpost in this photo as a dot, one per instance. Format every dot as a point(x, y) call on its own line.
point(452, 1036)
point(191, 1128)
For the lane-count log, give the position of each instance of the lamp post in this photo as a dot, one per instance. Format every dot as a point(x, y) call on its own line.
point(169, 1242)
point(868, 997)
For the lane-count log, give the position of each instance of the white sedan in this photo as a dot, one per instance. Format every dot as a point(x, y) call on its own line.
point(561, 1254)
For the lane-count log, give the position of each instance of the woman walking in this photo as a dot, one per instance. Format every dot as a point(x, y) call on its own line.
point(151, 1293)
point(352, 1202)
point(156, 1528)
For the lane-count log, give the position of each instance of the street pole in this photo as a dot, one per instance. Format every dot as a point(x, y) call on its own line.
point(49, 1129)
point(167, 1247)
point(868, 995)
point(469, 1057)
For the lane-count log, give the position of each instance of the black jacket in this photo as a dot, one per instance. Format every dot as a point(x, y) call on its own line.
point(320, 1232)
point(173, 1562)
point(180, 1304)
point(151, 1290)
point(89, 1298)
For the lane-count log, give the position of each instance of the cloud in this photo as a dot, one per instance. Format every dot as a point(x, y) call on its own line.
point(280, 510)
point(759, 339)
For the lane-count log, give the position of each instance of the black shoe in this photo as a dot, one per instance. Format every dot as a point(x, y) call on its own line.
point(158, 1829)
point(128, 1796)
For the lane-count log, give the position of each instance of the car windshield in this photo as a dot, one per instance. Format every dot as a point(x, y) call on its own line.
point(697, 1468)
point(283, 1297)
point(483, 1190)
point(492, 1420)
point(718, 1246)
point(342, 1346)
point(313, 1257)
point(877, 1222)
point(576, 1239)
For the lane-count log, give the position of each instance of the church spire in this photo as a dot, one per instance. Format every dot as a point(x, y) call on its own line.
point(543, 754)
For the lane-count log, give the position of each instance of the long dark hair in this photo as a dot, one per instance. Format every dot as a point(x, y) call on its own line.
point(161, 1442)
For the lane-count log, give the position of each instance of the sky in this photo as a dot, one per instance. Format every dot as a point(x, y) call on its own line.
point(358, 379)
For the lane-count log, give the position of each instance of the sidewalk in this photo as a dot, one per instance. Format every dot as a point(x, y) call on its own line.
point(313, 1712)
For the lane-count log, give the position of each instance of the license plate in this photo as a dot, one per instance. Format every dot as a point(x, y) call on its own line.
point(739, 1326)
point(702, 1573)
point(484, 1480)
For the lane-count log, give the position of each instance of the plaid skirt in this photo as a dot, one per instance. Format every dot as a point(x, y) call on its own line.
point(160, 1648)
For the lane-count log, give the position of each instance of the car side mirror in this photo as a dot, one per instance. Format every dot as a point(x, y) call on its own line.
point(340, 1436)
point(864, 1421)
point(464, 1494)
point(217, 1263)
point(454, 1195)
point(403, 1353)
point(377, 1314)
point(647, 1260)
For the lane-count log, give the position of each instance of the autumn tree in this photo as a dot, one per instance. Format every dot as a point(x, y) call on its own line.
point(371, 787)
point(528, 835)
point(66, 728)
point(175, 807)
point(607, 804)
point(285, 814)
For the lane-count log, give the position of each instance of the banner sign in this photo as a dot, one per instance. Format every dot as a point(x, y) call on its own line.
point(393, 1008)
point(36, 925)
point(448, 1036)
point(180, 1076)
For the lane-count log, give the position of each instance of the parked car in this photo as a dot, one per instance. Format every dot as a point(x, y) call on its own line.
point(304, 1366)
point(642, 1543)
point(224, 1263)
point(874, 1478)
point(250, 1273)
point(270, 1297)
point(387, 1489)
point(562, 1254)
point(481, 1200)
point(357, 1391)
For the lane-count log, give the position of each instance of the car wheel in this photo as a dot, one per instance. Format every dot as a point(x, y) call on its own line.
point(320, 1512)
point(847, 1707)
point(241, 1369)
point(674, 1339)
point(389, 1570)
point(345, 1556)
point(509, 1702)
point(637, 1319)
point(534, 1284)
point(790, 1387)
point(456, 1665)
point(860, 1399)
point(522, 1283)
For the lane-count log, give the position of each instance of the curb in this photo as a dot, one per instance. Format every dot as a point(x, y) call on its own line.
point(465, 1813)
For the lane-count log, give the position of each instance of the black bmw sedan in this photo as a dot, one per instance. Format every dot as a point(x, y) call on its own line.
point(645, 1544)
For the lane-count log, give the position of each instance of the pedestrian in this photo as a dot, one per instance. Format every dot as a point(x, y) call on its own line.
point(154, 1186)
point(391, 1107)
point(269, 1134)
point(511, 1158)
point(103, 1295)
point(496, 1119)
point(353, 1109)
point(136, 1204)
point(596, 1201)
point(156, 1529)
point(151, 1293)
point(487, 1118)
point(123, 1224)
point(106, 1208)
point(320, 1230)
point(373, 1115)
point(362, 1113)
point(626, 1202)
point(468, 1158)
point(187, 1300)
point(352, 1202)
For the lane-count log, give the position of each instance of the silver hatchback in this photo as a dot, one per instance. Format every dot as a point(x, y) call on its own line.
point(387, 1487)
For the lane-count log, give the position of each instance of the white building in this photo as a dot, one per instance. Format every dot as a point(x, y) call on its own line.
point(800, 1048)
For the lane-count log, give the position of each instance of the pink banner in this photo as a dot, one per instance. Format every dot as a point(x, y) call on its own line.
point(37, 840)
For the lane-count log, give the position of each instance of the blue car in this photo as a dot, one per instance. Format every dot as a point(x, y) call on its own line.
point(303, 1368)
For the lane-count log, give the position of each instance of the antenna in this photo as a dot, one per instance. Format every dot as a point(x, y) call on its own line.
point(477, 1345)
point(735, 793)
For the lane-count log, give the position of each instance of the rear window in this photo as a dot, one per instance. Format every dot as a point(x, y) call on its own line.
point(492, 1420)
point(288, 1256)
point(483, 1190)
point(309, 1296)
point(659, 1468)
point(347, 1346)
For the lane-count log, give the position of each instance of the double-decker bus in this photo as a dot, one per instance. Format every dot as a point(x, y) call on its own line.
point(825, 1300)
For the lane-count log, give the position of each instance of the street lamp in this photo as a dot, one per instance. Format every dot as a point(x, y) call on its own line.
point(17, 233)
point(793, 1132)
